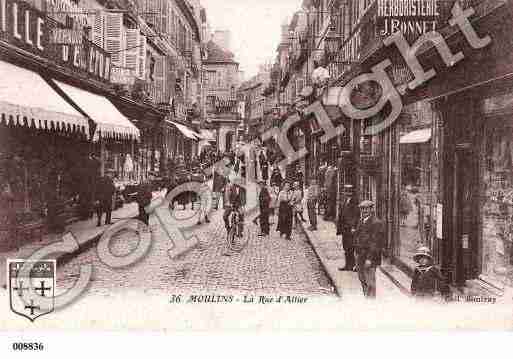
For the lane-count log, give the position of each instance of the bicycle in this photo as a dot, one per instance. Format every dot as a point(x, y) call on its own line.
point(235, 230)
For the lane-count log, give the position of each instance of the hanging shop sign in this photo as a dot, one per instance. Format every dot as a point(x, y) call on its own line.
point(26, 27)
point(66, 36)
point(64, 10)
point(23, 26)
point(412, 18)
point(86, 58)
point(122, 76)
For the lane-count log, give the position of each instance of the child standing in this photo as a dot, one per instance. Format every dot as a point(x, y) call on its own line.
point(427, 280)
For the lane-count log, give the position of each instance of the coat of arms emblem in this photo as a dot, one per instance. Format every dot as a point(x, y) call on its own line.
point(31, 287)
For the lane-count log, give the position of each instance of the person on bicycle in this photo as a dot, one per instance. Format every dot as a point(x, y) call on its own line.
point(232, 201)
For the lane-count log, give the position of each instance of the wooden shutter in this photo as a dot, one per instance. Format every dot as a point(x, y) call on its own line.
point(131, 49)
point(114, 37)
point(171, 28)
point(141, 71)
point(159, 79)
point(171, 77)
point(164, 17)
point(97, 21)
point(151, 13)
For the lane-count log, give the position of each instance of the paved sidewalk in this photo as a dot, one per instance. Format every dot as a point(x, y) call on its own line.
point(328, 247)
point(83, 231)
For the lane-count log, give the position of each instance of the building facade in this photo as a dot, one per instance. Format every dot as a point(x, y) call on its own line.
point(221, 80)
point(439, 174)
point(112, 85)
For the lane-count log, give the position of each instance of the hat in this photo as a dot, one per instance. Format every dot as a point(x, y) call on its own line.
point(366, 203)
point(422, 252)
point(348, 188)
point(261, 181)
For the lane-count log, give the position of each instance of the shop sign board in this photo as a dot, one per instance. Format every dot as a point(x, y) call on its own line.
point(23, 26)
point(27, 28)
point(86, 58)
point(122, 76)
point(66, 36)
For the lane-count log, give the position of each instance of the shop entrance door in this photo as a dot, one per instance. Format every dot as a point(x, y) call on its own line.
point(465, 216)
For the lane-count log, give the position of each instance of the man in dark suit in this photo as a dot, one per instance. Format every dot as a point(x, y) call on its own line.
point(105, 190)
point(264, 200)
point(264, 166)
point(370, 236)
point(347, 221)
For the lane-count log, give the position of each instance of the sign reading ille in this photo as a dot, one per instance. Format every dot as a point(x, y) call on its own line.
point(23, 26)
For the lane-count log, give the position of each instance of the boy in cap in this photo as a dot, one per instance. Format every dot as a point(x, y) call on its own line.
point(370, 242)
point(427, 279)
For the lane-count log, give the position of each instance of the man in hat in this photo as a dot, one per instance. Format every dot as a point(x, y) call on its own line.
point(105, 190)
point(144, 196)
point(347, 222)
point(370, 236)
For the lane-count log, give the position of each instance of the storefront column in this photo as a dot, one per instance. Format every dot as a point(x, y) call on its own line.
point(102, 157)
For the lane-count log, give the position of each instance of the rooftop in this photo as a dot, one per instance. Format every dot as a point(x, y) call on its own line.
point(216, 54)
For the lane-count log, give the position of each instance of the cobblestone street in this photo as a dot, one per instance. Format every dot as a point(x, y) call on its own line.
point(265, 264)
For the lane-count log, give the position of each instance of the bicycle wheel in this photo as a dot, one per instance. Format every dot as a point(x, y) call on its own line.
point(230, 238)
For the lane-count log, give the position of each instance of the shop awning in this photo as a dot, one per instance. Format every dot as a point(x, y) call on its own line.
point(26, 99)
point(186, 131)
point(111, 123)
point(207, 135)
point(417, 136)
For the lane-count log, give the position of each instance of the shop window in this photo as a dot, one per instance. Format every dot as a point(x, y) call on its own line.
point(365, 188)
point(412, 193)
point(497, 210)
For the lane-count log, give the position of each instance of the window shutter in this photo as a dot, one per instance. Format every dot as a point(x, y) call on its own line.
point(171, 77)
point(97, 20)
point(141, 72)
point(131, 49)
point(159, 79)
point(164, 12)
point(114, 37)
point(171, 28)
point(151, 13)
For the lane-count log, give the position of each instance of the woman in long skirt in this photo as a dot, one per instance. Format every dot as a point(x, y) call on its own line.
point(285, 213)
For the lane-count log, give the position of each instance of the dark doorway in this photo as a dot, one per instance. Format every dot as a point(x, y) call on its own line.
point(229, 141)
point(465, 215)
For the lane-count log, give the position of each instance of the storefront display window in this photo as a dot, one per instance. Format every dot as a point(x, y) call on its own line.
point(414, 195)
point(497, 209)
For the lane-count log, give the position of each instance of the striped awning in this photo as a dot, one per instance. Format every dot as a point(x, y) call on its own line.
point(186, 131)
point(26, 99)
point(110, 122)
point(207, 135)
point(417, 136)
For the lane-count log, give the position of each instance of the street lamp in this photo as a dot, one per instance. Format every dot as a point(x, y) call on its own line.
point(333, 41)
point(276, 111)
